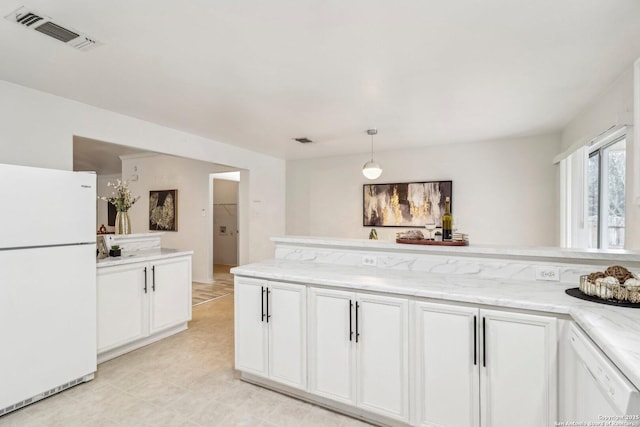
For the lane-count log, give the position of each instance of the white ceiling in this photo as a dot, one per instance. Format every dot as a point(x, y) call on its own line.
point(258, 73)
point(100, 157)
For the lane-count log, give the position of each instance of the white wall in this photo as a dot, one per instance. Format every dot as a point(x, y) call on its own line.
point(504, 192)
point(191, 179)
point(225, 214)
point(38, 128)
point(612, 107)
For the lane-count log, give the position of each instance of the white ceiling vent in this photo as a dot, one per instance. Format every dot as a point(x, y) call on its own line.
point(45, 25)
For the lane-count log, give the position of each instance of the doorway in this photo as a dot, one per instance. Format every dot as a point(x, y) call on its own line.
point(225, 221)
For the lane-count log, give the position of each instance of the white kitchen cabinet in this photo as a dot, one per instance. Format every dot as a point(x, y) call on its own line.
point(359, 350)
point(332, 363)
point(484, 367)
point(170, 293)
point(271, 330)
point(141, 302)
point(122, 305)
point(519, 369)
point(250, 330)
point(447, 367)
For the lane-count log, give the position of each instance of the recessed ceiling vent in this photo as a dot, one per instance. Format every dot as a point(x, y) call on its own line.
point(45, 25)
point(303, 140)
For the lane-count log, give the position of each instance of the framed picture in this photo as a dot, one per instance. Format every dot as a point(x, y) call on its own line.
point(103, 246)
point(163, 210)
point(408, 204)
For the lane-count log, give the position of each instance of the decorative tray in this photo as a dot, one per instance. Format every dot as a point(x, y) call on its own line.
point(433, 242)
point(577, 293)
point(609, 288)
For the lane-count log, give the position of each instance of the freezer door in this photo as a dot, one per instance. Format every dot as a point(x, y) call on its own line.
point(47, 319)
point(46, 207)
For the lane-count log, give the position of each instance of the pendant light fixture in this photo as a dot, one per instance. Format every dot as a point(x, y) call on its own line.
point(371, 169)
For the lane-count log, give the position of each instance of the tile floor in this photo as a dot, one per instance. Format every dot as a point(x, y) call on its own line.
point(184, 380)
point(222, 285)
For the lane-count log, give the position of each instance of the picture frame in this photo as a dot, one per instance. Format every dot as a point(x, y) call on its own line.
point(163, 210)
point(406, 205)
point(103, 246)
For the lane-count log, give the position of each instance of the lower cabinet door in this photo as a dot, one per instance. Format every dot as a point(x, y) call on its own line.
point(287, 324)
point(447, 391)
point(518, 377)
point(332, 372)
point(122, 305)
point(170, 283)
point(250, 325)
point(383, 362)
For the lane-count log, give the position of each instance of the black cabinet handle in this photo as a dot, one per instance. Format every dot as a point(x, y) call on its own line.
point(262, 304)
point(153, 278)
point(350, 317)
point(475, 340)
point(357, 328)
point(145, 280)
point(268, 315)
point(484, 343)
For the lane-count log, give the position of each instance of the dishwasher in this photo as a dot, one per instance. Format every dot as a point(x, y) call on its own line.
point(602, 394)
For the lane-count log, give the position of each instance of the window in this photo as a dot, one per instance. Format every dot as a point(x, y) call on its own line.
point(606, 194)
point(592, 192)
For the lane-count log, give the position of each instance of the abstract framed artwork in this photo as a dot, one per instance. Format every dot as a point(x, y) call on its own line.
point(163, 210)
point(408, 204)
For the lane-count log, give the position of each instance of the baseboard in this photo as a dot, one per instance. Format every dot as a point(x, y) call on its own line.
point(351, 411)
point(204, 281)
point(134, 345)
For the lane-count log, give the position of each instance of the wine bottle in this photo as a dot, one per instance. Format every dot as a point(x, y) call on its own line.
point(447, 220)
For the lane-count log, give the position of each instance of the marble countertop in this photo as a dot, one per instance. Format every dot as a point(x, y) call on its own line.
point(561, 254)
point(141, 256)
point(616, 330)
point(151, 234)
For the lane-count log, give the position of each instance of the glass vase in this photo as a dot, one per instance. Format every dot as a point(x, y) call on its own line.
point(123, 225)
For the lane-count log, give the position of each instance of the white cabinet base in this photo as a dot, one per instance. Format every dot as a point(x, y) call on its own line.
point(119, 351)
point(141, 302)
point(332, 405)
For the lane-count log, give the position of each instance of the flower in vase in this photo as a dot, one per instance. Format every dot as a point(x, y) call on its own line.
point(121, 197)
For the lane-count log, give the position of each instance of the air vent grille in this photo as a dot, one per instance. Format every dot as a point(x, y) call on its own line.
point(57, 32)
point(303, 140)
point(41, 396)
point(29, 19)
point(46, 25)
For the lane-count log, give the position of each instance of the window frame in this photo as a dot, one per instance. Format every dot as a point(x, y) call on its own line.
point(598, 147)
point(574, 186)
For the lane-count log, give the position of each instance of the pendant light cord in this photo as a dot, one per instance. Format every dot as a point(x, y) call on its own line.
point(372, 147)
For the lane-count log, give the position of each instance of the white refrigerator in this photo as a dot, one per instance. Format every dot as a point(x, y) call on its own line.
point(47, 282)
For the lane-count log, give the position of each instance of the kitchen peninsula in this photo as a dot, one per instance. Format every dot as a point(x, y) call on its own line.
point(425, 335)
point(143, 296)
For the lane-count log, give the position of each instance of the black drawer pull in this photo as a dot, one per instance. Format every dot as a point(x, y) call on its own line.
point(484, 343)
point(357, 327)
point(350, 317)
point(475, 340)
point(268, 315)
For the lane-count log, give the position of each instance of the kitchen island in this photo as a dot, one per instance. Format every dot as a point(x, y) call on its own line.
point(143, 296)
point(380, 322)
